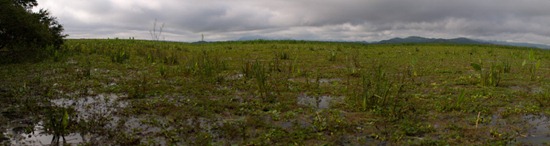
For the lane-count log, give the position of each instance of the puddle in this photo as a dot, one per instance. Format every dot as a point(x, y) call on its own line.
point(530, 90)
point(326, 80)
point(537, 90)
point(38, 137)
point(236, 77)
point(86, 109)
point(539, 134)
point(322, 81)
point(102, 104)
point(320, 102)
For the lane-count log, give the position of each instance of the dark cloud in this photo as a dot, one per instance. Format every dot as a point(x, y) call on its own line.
point(353, 20)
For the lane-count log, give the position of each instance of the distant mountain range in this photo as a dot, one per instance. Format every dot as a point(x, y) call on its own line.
point(542, 46)
point(416, 39)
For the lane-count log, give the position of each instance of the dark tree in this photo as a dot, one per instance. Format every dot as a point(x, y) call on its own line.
point(24, 33)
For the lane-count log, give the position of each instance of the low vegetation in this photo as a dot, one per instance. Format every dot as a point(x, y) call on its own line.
point(277, 92)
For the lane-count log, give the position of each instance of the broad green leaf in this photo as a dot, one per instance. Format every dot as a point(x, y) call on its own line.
point(65, 121)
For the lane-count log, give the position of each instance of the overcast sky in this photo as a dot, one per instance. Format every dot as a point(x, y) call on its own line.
point(339, 20)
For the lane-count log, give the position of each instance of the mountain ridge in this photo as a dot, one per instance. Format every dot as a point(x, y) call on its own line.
point(417, 39)
point(460, 40)
point(420, 40)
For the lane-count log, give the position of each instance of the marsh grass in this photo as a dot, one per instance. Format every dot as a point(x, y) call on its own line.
point(205, 65)
point(276, 65)
point(57, 123)
point(282, 55)
point(506, 67)
point(84, 70)
point(246, 69)
point(533, 67)
point(543, 98)
point(461, 102)
point(57, 55)
point(261, 75)
point(332, 56)
point(533, 64)
point(382, 93)
point(171, 59)
point(489, 77)
point(139, 88)
point(390, 94)
point(119, 56)
point(163, 71)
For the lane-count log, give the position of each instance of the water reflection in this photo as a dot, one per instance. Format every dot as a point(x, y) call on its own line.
point(539, 133)
point(55, 126)
point(320, 102)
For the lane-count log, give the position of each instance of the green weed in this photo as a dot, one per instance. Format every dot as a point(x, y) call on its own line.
point(461, 103)
point(261, 75)
point(171, 59)
point(163, 71)
point(275, 65)
point(490, 77)
point(139, 88)
point(120, 56)
point(533, 64)
point(380, 94)
point(332, 56)
point(282, 55)
point(205, 65)
point(57, 124)
point(543, 98)
point(506, 67)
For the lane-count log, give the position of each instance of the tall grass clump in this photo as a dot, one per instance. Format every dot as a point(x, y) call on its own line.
point(461, 102)
point(57, 124)
point(246, 69)
point(171, 59)
point(543, 98)
point(282, 55)
point(382, 94)
point(489, 77)
point(163, 71)
point(532, 64)
point(354, 66)
point(506, 67)
point(205, 65)
point(257, 71)
point(375, 88)
point(138, 88)
point(56, 54)
point(332, 56)
point(261, 75)
point(119, 56)
point(86, 71)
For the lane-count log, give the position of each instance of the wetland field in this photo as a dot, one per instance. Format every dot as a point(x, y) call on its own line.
point(134, 92)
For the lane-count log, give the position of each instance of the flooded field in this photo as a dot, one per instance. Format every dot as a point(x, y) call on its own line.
point(127, 92)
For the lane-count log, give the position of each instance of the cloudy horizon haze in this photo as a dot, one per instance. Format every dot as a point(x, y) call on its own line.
point(325, 20)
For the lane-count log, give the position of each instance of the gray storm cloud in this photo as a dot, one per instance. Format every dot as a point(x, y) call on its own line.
point(350, 20)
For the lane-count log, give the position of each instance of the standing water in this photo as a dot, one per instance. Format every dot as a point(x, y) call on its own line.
point(85, 108)
point(539, 134)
